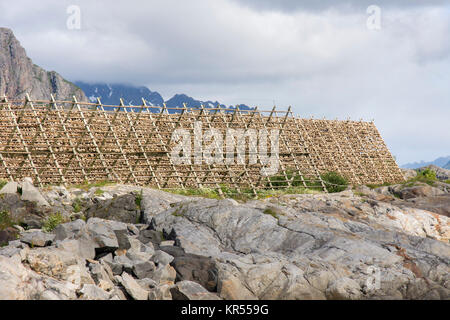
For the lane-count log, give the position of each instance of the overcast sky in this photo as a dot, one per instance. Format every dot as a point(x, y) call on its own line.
point(318, 56)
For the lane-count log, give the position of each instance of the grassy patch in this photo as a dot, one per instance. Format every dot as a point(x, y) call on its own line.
point(200, 192)
point(279, 192)
point(76, 205)
point(427, 176)
point(5, 220)
point(52, 222)
point(333, 181)
point(99, 192)
point(2, 183)
point(243, 195)
point(270, 212)
point(396, 195)
point(447, 181)
point(374, 186)
point(281, 180)
point(86, 186)
point(138, 199)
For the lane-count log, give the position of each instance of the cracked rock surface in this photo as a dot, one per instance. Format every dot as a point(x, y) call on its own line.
point(365, 244)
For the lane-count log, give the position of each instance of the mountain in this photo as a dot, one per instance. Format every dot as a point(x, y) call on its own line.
point(178, 100)
point(447, 166)
point(440, 162)
point(111, 94)
point(19, 75)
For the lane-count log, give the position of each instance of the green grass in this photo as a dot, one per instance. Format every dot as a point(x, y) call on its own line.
point(333, 181)
point(427, 176)
point(5, 220)
point(200, 192)
point(280, 192)
point(52, 222)
point(138, 199)
point(270, 212)
point(447, 181)
point(86, 186)
point(244, 195)
point(99, 192)
point(76, 205)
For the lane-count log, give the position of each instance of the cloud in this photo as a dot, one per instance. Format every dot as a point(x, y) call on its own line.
point(322, 60)
point(315, 5)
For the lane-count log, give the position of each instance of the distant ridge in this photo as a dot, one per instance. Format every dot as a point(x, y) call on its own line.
point(447, 166)
point(443, 162)
point(132, 95)
point(112, 93)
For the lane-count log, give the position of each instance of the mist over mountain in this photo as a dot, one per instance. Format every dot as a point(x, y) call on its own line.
point(19, 76)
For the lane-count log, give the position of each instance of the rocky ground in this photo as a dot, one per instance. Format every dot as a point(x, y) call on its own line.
point(123, 242)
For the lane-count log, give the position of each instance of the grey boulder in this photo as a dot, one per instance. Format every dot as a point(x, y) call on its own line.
point(188, 290)
point(37, 238)
point(31, 193)
point(133, 288)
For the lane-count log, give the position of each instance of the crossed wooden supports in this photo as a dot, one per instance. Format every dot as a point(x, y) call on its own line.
point(71, 142)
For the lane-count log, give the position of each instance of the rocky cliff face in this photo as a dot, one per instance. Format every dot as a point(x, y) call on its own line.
point(19, 76)
point(139, 243)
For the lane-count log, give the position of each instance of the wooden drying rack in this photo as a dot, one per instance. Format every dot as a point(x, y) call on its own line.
point(72, 142)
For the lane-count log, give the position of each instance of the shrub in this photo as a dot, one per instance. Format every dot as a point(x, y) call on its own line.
point(281, 180)
point(427, 174)
point(52, 222)
point(2, 183)
point(334, 182)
